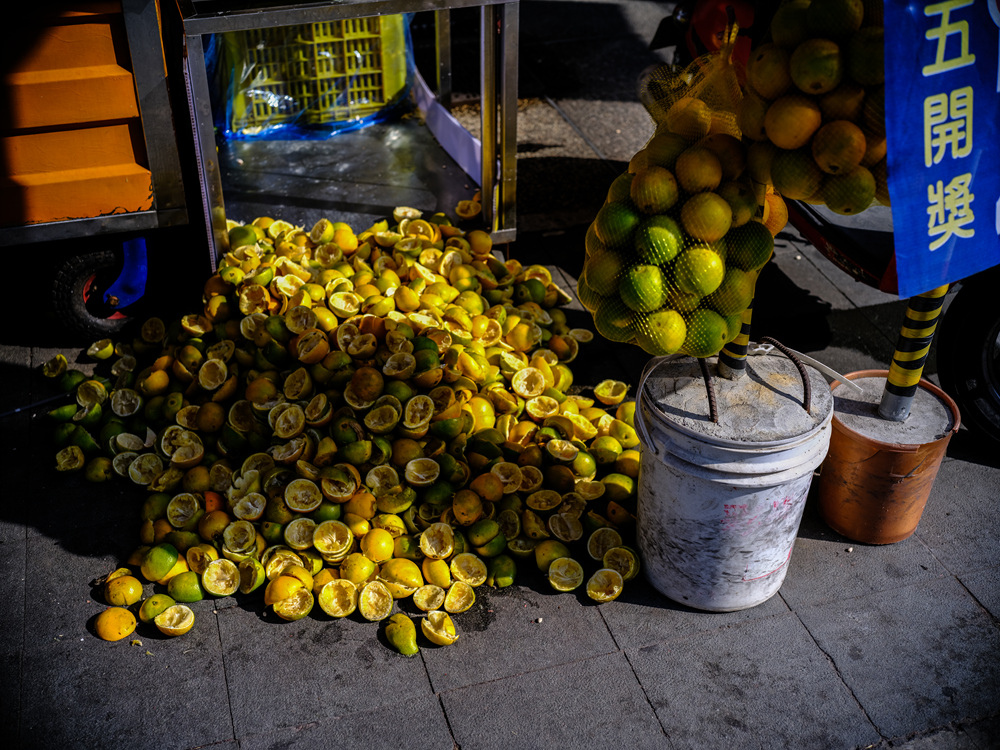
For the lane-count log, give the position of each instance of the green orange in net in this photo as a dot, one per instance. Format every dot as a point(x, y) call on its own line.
point(658, 240)
point(698, 270)
point(643, 288)
point(707, 333)
point(654, 190)
point(620, 189)
point(662, 332)
point(707, 216)
point(735, 293)
point(613, 320)
point(587, 296)
point(601, 272)
point(750, 246)
point(615, 223)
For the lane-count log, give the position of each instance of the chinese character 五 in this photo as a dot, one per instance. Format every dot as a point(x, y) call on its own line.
point(942, 63)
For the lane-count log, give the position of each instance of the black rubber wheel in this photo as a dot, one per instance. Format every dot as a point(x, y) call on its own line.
point(77, 294)
point(968, 353)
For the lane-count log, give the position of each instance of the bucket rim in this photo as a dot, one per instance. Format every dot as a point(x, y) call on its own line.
point(884, 444)
point(644, 401)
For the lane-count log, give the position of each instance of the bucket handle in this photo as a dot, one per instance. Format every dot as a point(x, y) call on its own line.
point(713, 411)
point(806, 385)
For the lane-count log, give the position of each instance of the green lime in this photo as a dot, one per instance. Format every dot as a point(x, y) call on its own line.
point(152, 606)
point(402, 634)
point(185, 587)
point(242, 235)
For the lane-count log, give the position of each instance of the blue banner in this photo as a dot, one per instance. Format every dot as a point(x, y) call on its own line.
point(942, 106)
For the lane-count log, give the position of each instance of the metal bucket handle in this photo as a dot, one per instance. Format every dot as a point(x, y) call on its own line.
point(806, 385)
point(647, 371)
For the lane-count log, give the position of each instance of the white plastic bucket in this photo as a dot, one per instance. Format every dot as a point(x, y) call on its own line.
point(717, 517)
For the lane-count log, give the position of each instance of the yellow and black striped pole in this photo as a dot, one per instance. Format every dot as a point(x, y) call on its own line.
point(733, 357)
point(908, 360)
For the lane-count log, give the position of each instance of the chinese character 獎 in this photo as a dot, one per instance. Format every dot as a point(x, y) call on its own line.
point(950, 210)
point(948, 122)
point(942, 63)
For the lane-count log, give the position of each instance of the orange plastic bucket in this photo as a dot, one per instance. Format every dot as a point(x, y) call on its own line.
point(873, 491)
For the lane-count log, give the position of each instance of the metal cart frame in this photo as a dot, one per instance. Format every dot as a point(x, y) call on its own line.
point(499, 30)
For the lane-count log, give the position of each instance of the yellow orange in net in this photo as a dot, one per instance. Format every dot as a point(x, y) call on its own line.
point(791, 121)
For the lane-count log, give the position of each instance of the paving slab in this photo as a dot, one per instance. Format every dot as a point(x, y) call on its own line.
point(615, 130)
point(949, 738)
point(418, 723)
point(826, 566)
point(516, 630)
point(641, 616)
point(13, 563)
point(555, 166)
point(615, 36)
point(858, 293)
point(985, 586)
point(962, 503)
point(589, 703)
point(984, 732)
point(915, 657)
point(793, 259)
point(757, 683)
point(289, 674)
point(131, 693)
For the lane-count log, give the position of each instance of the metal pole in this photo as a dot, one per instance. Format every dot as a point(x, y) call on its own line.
point(733, 357)
point(908, 360)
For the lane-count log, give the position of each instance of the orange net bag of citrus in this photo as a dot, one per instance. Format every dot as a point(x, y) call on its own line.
point(672, 257)
point(814, 105)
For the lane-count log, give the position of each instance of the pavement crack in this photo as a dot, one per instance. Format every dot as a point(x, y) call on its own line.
point(645, 695)
point(840, 676)
point(225, 676)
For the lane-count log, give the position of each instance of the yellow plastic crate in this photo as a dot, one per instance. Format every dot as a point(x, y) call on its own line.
point(316, 74)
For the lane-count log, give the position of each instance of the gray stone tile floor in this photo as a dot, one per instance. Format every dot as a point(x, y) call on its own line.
point(863, 646)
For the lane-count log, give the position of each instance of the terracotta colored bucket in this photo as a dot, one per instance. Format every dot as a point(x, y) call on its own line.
point(873, 491)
